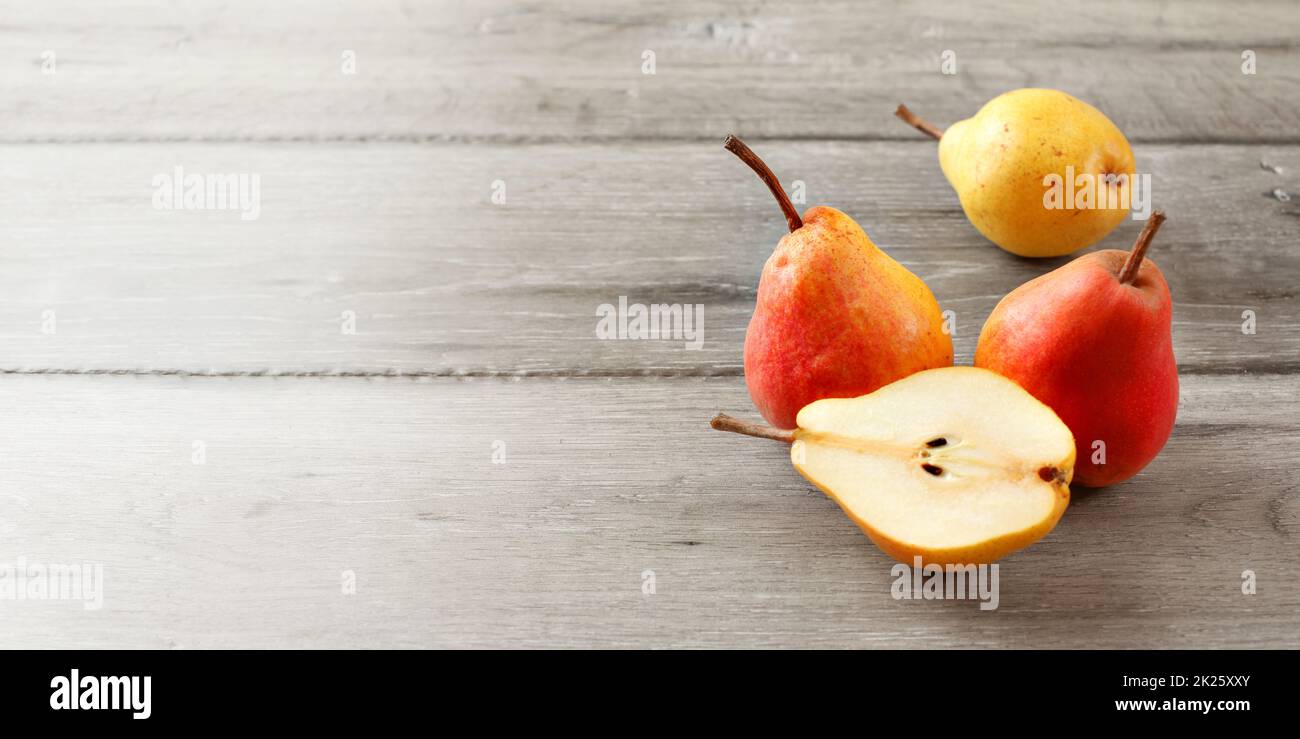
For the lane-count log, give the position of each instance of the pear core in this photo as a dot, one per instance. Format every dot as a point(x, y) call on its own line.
point(956, 465)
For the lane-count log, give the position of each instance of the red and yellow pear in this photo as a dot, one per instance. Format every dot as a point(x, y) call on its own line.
point(1093, 341)
point(836, 317)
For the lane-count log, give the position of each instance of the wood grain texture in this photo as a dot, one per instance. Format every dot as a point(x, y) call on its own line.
point(443, 281)
point(514, 70)
point(602, 479)
point(176, 327)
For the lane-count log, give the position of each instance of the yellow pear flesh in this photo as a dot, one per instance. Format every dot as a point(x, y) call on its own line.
point(956, 465)
point(997, 162)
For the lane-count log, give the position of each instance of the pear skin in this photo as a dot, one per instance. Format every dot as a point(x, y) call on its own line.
point(836, 317)
point(997, 162)
point(1098, 350)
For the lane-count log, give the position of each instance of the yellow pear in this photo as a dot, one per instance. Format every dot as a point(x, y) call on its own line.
point(1001, 162)
point(956, 465)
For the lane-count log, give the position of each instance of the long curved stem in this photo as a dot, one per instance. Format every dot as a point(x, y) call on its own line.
point(747, 155)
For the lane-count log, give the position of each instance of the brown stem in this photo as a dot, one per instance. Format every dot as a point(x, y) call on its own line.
point(920, 124)
point(1129, 271)
point(747, 155)
point(723, 422)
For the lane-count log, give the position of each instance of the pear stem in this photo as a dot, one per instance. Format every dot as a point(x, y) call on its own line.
point(723, 422)
point(1129, 271)
point(920, 124)
point(747, 155)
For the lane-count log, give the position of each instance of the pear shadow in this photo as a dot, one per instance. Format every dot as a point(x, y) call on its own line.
point(1084, 496)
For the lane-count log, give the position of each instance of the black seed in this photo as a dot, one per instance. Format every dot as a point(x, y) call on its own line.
point(932, 443)
point(932, 469)
point(1047, 474)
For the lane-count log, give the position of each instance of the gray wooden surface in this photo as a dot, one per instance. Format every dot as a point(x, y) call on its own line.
point(372, 453)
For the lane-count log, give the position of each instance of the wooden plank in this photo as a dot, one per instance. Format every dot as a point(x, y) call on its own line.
point(514, 70)
point(394, 480)
point(443, 281)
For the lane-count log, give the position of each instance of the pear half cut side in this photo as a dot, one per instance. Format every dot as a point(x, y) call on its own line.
point(956, 465)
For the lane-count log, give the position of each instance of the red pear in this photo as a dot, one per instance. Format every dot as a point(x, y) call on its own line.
point(836, 316)
point(1093, 341)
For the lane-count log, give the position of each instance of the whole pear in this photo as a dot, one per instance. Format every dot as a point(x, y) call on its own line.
point(1092, 340)
point(1000, 160)
point(836, 317)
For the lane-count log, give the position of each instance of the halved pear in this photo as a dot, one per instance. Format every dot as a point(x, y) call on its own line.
point(956, 465)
